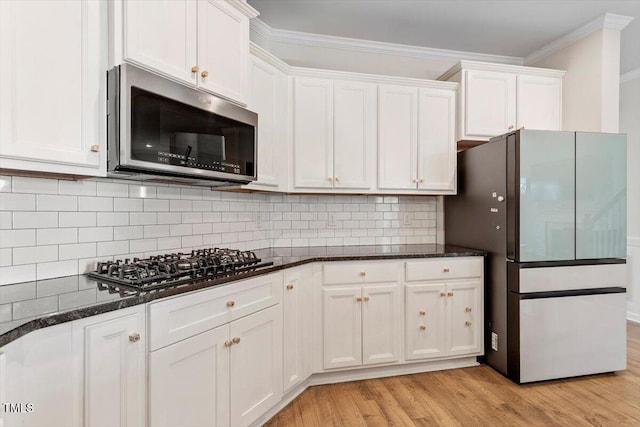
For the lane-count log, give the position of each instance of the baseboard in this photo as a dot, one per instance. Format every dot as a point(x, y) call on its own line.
point(365, 374)
point(633, 317)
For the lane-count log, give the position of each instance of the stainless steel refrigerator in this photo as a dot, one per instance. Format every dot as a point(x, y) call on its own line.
point(549, 207)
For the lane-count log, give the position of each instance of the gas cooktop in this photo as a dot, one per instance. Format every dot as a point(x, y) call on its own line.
point(170, 270)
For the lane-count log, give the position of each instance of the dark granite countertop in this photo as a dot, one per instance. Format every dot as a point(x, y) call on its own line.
point(25, 307)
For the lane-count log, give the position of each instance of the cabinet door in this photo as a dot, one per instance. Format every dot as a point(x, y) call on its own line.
point(464, 318)
point(539, 102)
point(189, 382)
point(162, 35)
point(115, 375)
point(313, 133)
point(341, 327)
point(425, 321)
point(256, 365)
point(268, 99)
point(52, 81)
point(436, 139)
point(296, 327)
point(397, 137)
point(354, 134)
point(223, 49)
point(381, 320)
point(490, 103)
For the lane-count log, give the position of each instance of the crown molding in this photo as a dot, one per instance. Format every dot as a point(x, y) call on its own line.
point(369, 46)
point(630, 75)
point(244, 7)
point(267, 57)
point(608, 20)
point(504, 68)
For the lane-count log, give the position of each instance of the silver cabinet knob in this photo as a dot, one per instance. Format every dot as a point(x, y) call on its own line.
point(95, 148)
point(134, 337)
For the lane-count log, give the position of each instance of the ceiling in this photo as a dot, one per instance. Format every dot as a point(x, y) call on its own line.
point(500, 27)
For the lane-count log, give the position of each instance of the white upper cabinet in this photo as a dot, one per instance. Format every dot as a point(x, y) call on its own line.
point(495, 99)
point(490, 103)
point(203, 43)
point(161, 35)
point(313, 133)
point(436, 139)
point(354, 134)
point(268, 98)
point(416, 139)
point(334, 133)
point(539, 102)
point(53, 59)
point(397, 137)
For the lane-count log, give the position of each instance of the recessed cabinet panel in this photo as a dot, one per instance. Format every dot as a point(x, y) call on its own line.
point(313, 133)
point(425, 321)
point(223, 49)
point(489, 103)
point(539, 102)
point(463, 318)
point(436, 140)
point(52, 65)
point(189, 382)
point(342, 329)
point(162, 35)
point(354, 134)
point(381, 316)
point(397, 137)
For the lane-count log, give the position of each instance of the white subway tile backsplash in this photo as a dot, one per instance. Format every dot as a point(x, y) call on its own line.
point(127, 205)
point(143, 245)
point(6, 220)
point(5, 184)
point(49, 270)
point(46, 202)
point(156, 205)
point(142, 191)
point(35, 219)
point(78, 223)
point(95, 234)
point(35, 254)
point(127, 233)
point(112, 218)
point(76, 219)
point(191, 194)
point(17, 238)
point(109, 189)
point(77, 250)
point(17, 274)
point(156, 231)
point(17, 202)
point(96, 204)
point(143, 218)
point(6, 257)
point(22, 184)
point(77, 188)
point(53, 236)
point(168, 193)
point(112, 248)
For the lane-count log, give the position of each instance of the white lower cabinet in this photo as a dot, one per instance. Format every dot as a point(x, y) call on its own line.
point(189, 381)
point(361, 325)
point(114, 371)
point(296, 327)
point(443, 318)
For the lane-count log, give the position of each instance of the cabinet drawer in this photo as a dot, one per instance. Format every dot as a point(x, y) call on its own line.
point(360, 272)
point(191, 314)
point(443, 268)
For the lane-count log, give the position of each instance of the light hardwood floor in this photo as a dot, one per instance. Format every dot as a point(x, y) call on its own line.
point(476, 396)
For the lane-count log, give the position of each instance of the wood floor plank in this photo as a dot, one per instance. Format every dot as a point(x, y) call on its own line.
point(476, 396)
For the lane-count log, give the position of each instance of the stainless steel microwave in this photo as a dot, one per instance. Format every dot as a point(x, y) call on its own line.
point(160, 130)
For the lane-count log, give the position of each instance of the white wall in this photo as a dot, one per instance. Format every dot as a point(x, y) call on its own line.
point(52, 228)
point(630, 124)
point(590, 86)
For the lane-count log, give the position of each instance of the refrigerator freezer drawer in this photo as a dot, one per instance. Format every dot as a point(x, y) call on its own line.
point(570, 336)
point(543, 279)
